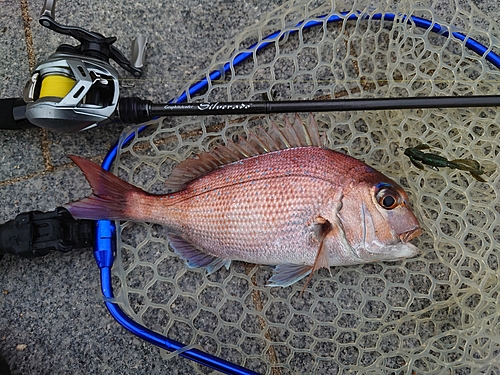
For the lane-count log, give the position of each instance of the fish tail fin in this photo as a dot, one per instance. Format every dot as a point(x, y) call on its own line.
point(111, 195)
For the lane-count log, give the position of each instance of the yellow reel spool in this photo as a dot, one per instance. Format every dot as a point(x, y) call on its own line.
point(56, 86)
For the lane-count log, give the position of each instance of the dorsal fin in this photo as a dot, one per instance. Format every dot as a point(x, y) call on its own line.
point(258, 142)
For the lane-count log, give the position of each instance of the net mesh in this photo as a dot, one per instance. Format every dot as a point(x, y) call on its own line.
point(436, 313)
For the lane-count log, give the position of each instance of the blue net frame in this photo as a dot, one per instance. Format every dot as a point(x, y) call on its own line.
point(105, 245)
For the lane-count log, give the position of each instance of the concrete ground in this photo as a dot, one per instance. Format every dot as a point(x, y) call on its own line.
point(52, 318)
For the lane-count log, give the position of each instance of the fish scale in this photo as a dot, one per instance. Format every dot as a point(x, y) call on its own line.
point(248, 221)
point(301, 208)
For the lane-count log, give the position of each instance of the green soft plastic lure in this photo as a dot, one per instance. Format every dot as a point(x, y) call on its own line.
point(419, 158)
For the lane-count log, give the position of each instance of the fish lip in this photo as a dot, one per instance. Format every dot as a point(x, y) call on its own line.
point(409, 235)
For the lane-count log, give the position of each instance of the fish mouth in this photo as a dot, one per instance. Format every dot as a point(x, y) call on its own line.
point(410, 235)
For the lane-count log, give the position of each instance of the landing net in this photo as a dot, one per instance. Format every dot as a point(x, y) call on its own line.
point(436, 313)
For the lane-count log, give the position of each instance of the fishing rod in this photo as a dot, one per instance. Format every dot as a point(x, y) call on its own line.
point(135, 110)
point(77, 89)
point(145, 110)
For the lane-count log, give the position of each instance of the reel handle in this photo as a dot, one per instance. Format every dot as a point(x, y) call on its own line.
point(94, 44)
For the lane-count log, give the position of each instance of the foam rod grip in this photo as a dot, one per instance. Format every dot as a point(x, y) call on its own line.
point(12, 114)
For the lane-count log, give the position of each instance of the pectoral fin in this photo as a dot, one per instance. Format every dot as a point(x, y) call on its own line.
point(196, 258)
point(321, 228)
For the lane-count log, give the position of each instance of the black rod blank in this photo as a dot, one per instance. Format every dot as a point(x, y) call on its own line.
point(333, 105)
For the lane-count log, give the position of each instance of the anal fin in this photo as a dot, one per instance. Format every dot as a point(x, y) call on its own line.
point(196, 258)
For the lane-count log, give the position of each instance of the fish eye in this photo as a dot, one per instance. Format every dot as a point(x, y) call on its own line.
point(388, 198)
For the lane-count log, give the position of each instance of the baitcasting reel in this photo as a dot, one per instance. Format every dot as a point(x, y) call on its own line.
point(76, 88)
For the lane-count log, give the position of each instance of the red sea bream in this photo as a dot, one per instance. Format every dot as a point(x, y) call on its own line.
point(277, 198)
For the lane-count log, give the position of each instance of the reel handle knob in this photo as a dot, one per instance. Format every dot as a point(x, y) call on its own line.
point(138, 51)
point(49, 9)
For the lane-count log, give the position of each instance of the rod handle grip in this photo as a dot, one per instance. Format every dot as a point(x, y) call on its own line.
point(12, 114)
